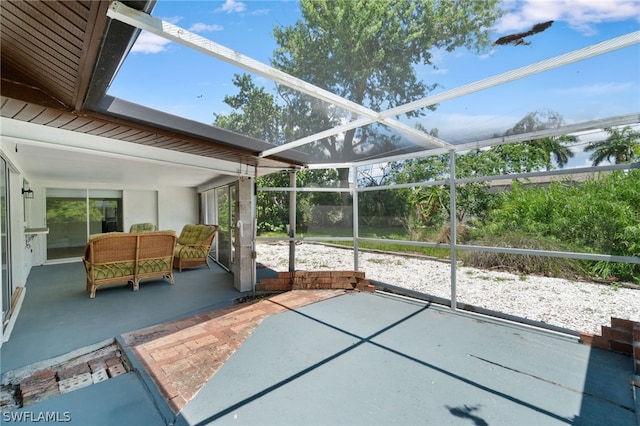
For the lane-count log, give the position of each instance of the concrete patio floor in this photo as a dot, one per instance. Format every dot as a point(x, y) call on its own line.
point(309, 357)
point(57, 315)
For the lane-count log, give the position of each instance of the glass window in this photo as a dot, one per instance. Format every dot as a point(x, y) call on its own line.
point(5, 243)
point(218, 209)
point(74, 214)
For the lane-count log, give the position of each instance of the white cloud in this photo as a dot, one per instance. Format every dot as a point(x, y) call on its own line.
point(232, 6)
point(580, 15)
point(203, 28)
point(150, 43)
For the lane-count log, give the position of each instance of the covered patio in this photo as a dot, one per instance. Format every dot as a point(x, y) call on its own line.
point(59, 318)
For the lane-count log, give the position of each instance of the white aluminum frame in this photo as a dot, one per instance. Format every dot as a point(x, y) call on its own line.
point(364, 116)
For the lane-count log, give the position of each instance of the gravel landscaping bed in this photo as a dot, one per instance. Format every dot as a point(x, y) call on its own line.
point(575, 305)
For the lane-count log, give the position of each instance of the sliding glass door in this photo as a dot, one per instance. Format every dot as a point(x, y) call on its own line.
point(225, 242)
point(219, 210)
point(5, 243)
point(74, 214)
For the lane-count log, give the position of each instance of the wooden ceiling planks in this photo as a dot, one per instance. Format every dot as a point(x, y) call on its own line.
point(49, 50)
point(47, 41)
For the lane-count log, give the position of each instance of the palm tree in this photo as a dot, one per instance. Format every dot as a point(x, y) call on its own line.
point(554, 146)
point(543, 150)
point(621, 145)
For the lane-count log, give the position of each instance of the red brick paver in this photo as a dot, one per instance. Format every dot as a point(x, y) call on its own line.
point(181, 356)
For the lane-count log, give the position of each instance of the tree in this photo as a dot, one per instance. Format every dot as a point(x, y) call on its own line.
point(366, 51)
point(272, 207)
point(432, 203)
point(256, 112)
point(555, 147)
point(474, 199)
point(623, 145)
point(537, 153)
point(379, 208)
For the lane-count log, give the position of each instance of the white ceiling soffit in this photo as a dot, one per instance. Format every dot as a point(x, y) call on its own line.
point(55, 167)
point(194, 41)
point(90, 158)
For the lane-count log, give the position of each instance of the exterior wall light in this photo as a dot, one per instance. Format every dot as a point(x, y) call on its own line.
point(27, 193)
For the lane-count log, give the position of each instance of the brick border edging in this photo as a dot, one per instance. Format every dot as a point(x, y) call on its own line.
point(623, 336)
point(146, 381)
point(42, 380)
point(316, 280)
point(187, 336)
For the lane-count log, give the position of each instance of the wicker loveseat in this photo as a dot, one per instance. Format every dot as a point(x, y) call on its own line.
point(128, 257)
point(194, 244)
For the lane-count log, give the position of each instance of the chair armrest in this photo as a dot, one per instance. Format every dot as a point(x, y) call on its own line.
point(183, 247)
point(85, 257)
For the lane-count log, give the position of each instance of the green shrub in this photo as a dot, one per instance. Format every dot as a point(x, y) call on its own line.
point(596, 216)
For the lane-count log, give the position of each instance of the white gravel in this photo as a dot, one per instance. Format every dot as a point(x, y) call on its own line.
point(575, 305)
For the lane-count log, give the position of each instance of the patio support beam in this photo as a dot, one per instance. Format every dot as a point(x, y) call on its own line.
point(292, 221)
point(355, 220)
point(452, 208)
point(254, 231)
point(243, 266)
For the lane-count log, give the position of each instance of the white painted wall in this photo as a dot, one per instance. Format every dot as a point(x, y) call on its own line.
point(177, 207)
point(169, 208)
point(36, 215)
point(21, 264)
point(37, 207)
point(140, 206)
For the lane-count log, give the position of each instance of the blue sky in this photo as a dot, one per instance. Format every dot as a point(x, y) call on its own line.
point(169, 77)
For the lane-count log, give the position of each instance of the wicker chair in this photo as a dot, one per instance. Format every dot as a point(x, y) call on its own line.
point(142, 227)
point(194, 244)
